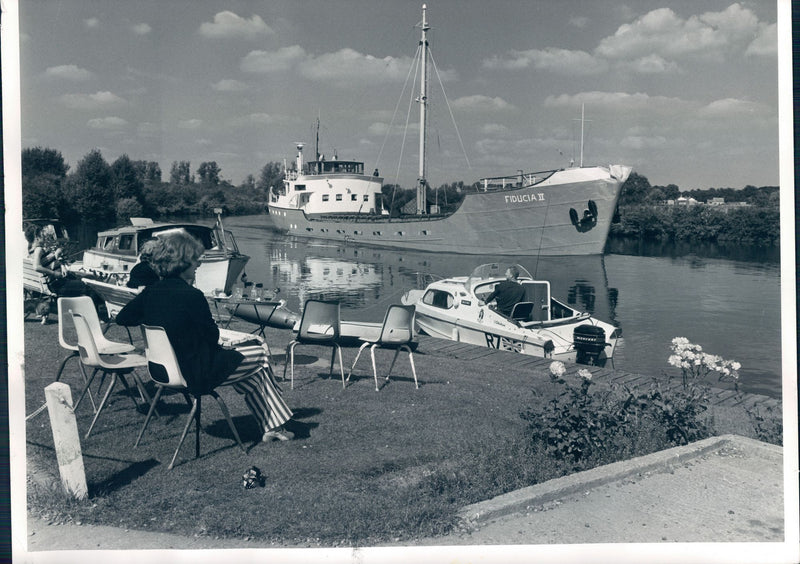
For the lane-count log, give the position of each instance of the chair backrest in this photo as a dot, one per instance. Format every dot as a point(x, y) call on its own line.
point(398, 325)
point(162, 364)
point(522, 311)
point(83, 306)
point(320, 322)
point(86, 345)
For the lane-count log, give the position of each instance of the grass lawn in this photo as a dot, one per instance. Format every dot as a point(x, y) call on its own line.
point(366, 467)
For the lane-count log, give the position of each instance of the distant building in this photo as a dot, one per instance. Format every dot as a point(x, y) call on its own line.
point(684, 201)
point(716, 202)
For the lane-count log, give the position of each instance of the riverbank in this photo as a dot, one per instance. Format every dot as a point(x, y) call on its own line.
point(374, 434)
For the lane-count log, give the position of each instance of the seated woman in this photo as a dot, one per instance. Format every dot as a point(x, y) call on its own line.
point(182, 310)
point(142, 273)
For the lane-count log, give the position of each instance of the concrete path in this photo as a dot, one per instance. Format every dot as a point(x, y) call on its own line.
point(721, 490)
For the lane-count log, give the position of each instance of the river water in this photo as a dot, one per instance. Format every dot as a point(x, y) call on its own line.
point(726, 300)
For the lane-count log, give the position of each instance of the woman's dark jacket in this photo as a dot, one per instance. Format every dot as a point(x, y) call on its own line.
point(184, 314)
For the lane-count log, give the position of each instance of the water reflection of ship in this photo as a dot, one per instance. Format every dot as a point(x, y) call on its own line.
point(363, 276)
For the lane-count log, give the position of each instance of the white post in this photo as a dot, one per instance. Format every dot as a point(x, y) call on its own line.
point(65, 438)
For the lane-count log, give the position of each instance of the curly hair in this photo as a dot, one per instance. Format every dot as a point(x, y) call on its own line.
point(174, 253)
point(148, 248)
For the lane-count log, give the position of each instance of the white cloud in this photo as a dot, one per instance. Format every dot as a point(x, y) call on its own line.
point(481, 103)
point(733, 108)
point(228, 24)
point(619, 102)
point(272, 61)
point(103, 99)
point(148, 129)
point(650, 64)
point(661, 32)
point(229, 85)
point(141, 29)
point(341, 68)
point(255, 119)
point(91, 23)
point(347, 65)
point(108, 123)
point(68, 72)
point(766, 43)
point(563, 61)
point(190, 123)
point(493, 128)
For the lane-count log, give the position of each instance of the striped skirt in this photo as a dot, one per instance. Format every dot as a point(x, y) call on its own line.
point(254, 379)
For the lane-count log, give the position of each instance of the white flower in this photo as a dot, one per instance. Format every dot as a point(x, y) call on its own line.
point(557, 368)
point(584, 373)
point(735, 365)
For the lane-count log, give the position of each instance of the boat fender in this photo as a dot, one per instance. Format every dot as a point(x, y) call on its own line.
point(480, 315)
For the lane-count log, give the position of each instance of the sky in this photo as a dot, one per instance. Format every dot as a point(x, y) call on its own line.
point(684, 91)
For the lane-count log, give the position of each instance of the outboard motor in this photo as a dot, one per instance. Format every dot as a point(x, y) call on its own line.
point(589, 341)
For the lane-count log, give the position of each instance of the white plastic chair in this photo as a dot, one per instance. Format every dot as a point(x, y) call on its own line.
point(165, 372)
point(396, 333)
point(117, 365)
point(319, 325)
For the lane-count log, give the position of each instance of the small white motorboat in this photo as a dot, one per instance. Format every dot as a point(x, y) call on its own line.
point(454, 309)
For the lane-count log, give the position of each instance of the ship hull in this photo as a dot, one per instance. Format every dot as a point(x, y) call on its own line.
point(539, 219)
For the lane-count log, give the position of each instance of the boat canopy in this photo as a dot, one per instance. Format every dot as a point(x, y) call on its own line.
point(492, 271)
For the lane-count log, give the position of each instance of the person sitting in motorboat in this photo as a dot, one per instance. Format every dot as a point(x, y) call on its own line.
point(182, 310)
point(507, 293)
point(142, 273)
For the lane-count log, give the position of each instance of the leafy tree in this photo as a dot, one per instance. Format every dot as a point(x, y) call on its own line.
point(634, 190)
point(248, 183)
point(149, 172)
point(43, 175)
point(126, 180)
point(271, 176)
point(127, 208)
point(38, 161)
point(93, 192)
point(209, 173)
point(181, 173)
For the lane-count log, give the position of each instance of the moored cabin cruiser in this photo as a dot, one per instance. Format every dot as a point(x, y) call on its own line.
point(116, 251)
point(538, 325)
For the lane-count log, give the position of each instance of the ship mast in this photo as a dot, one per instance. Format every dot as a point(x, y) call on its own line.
point(423, 105)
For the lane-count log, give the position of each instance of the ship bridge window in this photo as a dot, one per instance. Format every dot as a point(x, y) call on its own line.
point(325, 197)
point(438, 298)
point(353, 197)
point(299, 187)
point(338, 197)
point(366, 197)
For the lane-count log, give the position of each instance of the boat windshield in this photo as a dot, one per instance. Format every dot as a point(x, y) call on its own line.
point(494, 270)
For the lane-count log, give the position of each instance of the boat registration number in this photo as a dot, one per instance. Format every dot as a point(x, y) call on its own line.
point(503, 343)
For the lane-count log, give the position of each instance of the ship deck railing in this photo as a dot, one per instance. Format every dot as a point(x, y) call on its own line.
point(513, 181)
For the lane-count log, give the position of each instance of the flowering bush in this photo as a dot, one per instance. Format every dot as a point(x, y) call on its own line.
point(696, 364)
point(557, 369)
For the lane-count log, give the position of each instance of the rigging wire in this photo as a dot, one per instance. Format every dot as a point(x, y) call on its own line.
point(449, 109)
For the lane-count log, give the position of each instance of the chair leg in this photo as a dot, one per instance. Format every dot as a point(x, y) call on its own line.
point(341, 364)
point(333, 358)
point(128, 390)
point(64, 363)
point(102, 404)
point(185, 430)
point(396, 352)
point(358, 355)
point(290, 356)
point(86, 389)
point(224, 409)
point(197, 415)
point(143, 392)
point(411, 360)
point(374, 366)
point(149, 415)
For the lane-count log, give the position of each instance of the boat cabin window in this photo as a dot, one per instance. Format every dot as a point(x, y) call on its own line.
point(108, 243)
point(126, 243)
point(325, 197)
point(366, 197)
point(353, 197)
point(338, 197)
point(299, 187)
point(438, 298)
